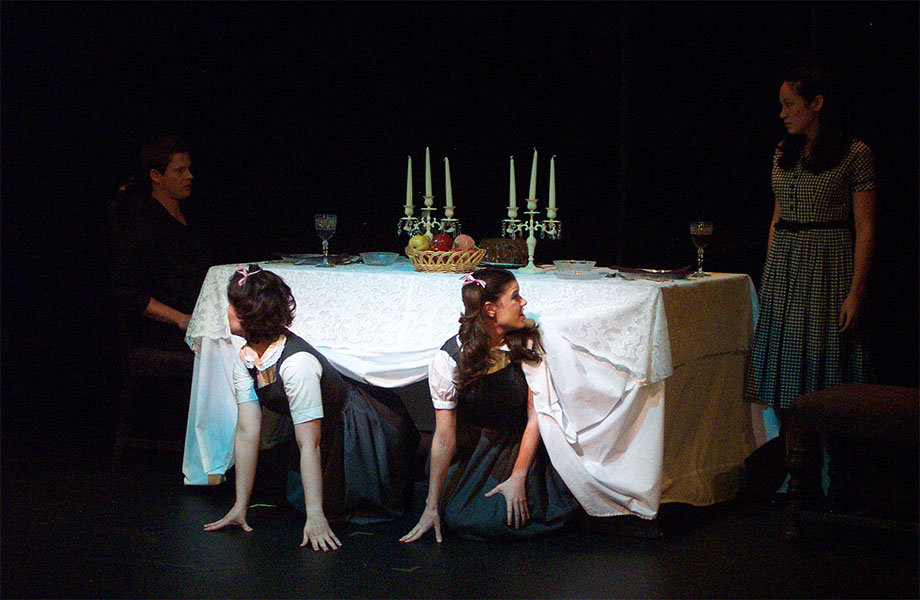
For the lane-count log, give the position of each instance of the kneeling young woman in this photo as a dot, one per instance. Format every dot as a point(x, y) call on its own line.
point(501, 484)
point(356, 450)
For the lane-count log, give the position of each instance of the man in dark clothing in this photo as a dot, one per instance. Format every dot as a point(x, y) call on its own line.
point(160, 260)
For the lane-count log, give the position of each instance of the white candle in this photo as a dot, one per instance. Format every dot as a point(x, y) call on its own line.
point(448, 195)
point(533, 177)
point(512, 194)
point(552, 182)
point(427, 173)
point(409, 185)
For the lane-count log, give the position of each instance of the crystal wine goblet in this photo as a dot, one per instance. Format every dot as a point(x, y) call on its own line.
point(700, 235)
point(325, 227)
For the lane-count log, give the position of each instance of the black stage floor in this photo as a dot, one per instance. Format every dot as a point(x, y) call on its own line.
point(73, 525)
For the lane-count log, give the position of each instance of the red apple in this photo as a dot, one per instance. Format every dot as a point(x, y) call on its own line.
point(442, 242)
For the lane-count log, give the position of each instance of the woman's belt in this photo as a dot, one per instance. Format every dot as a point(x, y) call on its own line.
point(797, 226)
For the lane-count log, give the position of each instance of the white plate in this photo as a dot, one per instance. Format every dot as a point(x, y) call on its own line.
point(654, 274)
point(650, 275)
point(582, 275)
point(304, 259)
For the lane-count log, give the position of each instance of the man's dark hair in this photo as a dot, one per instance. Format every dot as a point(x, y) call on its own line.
point(157, 153)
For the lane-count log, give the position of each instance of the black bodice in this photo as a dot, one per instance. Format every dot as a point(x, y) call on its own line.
point(494, 401)
point(273, 396)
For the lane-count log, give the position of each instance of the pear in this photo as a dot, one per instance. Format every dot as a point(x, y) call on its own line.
point(419, 242)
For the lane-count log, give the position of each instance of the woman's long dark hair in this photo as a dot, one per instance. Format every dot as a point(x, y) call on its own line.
point(263, 303)
point(475, 361)
point(833, 140)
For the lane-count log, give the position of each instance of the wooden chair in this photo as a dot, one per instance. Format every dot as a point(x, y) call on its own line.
point(148, 364)
point(154, 366)
point(874, 413)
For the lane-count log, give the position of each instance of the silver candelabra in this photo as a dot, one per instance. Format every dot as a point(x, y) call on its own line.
point(426, 224)
point(548, 227)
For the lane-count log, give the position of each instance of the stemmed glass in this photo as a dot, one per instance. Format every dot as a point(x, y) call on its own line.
point(325, 227)
point(700, 235)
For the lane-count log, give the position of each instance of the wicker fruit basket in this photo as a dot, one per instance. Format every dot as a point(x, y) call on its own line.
point(451, 261)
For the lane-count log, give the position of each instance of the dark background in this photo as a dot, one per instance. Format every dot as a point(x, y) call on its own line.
point(658, 113)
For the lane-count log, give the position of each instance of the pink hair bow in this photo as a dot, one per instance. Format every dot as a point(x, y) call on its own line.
point(468, 278)
point(245, 274)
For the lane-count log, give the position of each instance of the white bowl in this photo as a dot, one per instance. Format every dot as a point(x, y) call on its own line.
point(574, 267)
point(379, 259)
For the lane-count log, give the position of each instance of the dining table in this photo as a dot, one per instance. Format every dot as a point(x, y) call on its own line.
point(639, 394)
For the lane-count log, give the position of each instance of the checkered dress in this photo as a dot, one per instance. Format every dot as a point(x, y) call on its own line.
point(806, 278)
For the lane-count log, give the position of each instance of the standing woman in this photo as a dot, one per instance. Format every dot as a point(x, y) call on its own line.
point(355, 450)
point(501, 484)
point(820, 248)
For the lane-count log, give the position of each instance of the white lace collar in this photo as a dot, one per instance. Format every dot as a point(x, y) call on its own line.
point(271, 355)
point(504, 346)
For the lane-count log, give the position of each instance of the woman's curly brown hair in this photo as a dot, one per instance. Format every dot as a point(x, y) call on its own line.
point(264, 304)
point(475, 361)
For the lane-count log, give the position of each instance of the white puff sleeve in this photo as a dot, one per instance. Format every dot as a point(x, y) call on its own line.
point(301, 373)
point(441, 373)
point(244, 390)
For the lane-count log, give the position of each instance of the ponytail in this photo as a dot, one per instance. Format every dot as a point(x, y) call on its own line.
point(475, 342)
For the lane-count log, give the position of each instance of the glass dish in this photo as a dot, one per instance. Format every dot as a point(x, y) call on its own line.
point(379, 259)
point(574, 266)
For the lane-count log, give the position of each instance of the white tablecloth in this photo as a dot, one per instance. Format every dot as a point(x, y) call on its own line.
point(383, 324)
point(601, 393)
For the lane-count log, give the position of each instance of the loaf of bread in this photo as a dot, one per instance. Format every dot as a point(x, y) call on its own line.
point(504, 251)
